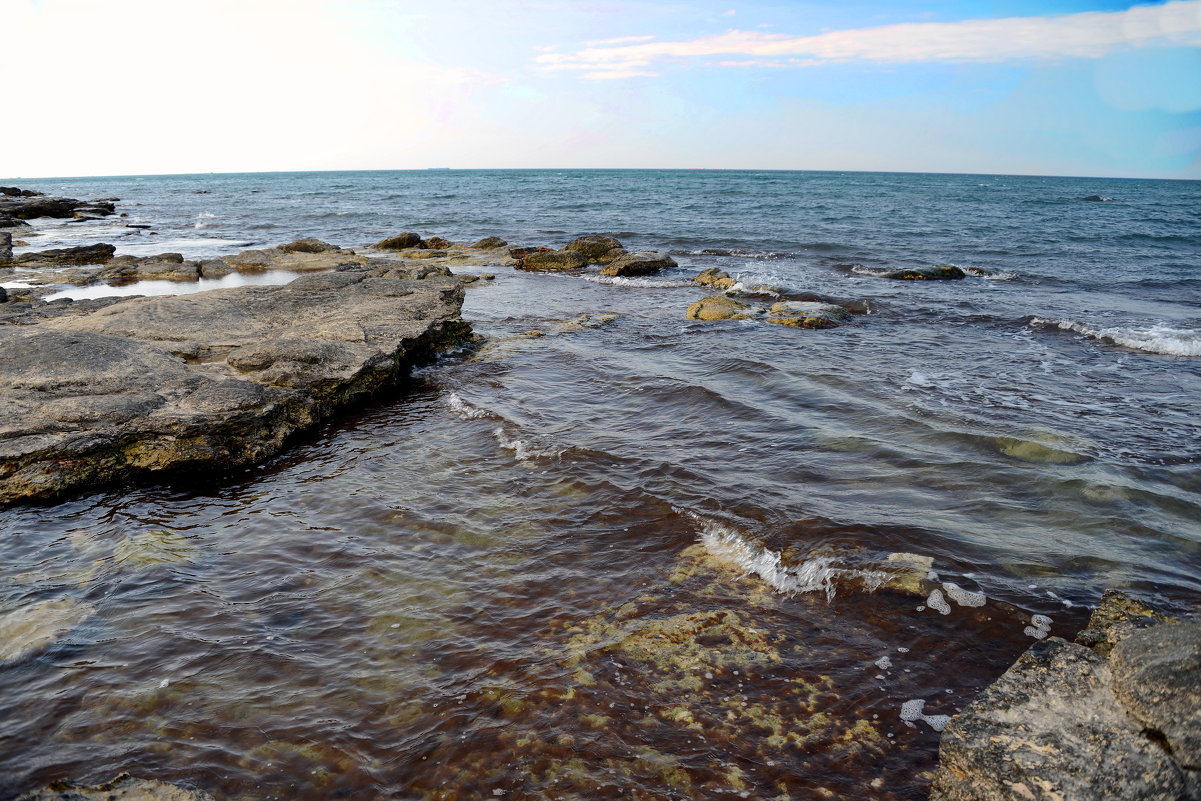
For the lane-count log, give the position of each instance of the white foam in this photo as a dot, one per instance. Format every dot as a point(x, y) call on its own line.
point(884, 662)
point(464, 409)
point(1039, 628)
point(523, 450)
point(938, 603)
point(645, 283)
point(912, 711)
point(1158, 338)
point(878, 272)
point(818, 574)
point(963, 597)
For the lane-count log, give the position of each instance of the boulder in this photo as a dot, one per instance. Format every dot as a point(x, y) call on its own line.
point(718, 279)
point(490, 243)
point(403, 241)
point(308, 245)
point(6, 248)
point(122, 788)
point(205, 382)
point(3, 295)
point(77, 256)
point(214, 268)
point(10, 222)
point(644, 262)
point(552, 261)
point(437, 243)
point(521, 253)
point(1065, 722)
point(29, 208)
point(596, 248)
point(720, 307)
point(939, 272)
point(250, 260)
point(807, 314)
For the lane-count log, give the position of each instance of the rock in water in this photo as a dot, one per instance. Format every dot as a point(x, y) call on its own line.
point(403, 241)
point(718, 279)
point(644, 262)
point(29, 629)
point(490, 243)
point(805, 314)
point(940, 272)
point(210, 381)
point(1066, 723)
point(123, 788)
point(84, 254)
point(554, 261)
point(596, 248)
point(720, 307)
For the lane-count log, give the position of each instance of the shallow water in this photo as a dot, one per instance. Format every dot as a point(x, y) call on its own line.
point(490, 579)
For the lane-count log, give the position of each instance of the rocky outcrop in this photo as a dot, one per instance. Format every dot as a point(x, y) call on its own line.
point(208, 381)
point(596, 248)
point(808, 314)
point(30, 208)
point(490, 243)
point(718, 279)
point(552, 261)
point(1065, 722)
point(939, 272)
point(645, 262)
point(6, 248)
point(64, 257)
point(122, 788)
point(309, 245)
point(403, 241)
point(720, 307)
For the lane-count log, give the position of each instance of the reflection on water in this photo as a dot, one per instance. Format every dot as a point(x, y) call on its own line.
point(154, 287)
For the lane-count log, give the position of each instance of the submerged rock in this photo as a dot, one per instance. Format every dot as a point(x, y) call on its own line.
point(1045, 446)
point(1064, 722)
point(122, 788)
point(204, 382)
point(644, 262)
point(939, 272)
point(720, 307)
point(807, 314)
point(28, 629)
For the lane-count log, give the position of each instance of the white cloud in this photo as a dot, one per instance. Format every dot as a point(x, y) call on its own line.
point(1090, 34)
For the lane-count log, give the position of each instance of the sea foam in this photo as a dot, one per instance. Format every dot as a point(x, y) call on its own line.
point(1154, 339)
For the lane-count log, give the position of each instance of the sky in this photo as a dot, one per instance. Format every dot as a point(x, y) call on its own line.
point(1051, 87)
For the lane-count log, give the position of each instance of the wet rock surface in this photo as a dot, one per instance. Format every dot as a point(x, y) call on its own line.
point(213, 380)
point(122, 788)
point(1065, 722)
point(645, 262)
point(939, 272)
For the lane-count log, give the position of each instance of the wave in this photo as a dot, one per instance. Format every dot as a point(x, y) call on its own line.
point(465, 410)
point(646, 283)
point(1158, 338)
point(524, 449)
point(817, 574)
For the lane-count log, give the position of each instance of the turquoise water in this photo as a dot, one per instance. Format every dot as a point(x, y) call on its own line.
point(1033, 429)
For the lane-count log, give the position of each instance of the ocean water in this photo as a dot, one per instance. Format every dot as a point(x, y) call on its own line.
point(639, 556)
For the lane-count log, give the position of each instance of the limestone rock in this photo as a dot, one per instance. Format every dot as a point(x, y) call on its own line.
point(122, 788)
point(939, 272)
point(720, 307)
point(84, 254)
point(807, 314)
point(1051, 729)
point(490, 243)
point(718, 279)
point(31, 207)
point(552, 261)
point(207, 381)
point(308, 245)
point(28, 629)
point(6, 248)
point(644, 262)
point(596, 248)
point(438, 243)
point(403, 241)
point(1116, 618)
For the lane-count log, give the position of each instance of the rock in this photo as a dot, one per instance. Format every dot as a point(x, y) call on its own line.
point(208, 381)
point(720, 307)
point(1098, 199)
point(718, 279)
point(437, 243)
point(250, 259)
point(490, 243)
point(6, 248)
point(521, 253)
point(28, 629)
point(596, 248)
point(1116, 618)
point(28, 208)
point(214, 268)
point(122, 788)
point(84, 254)
point(805, 314)
point(939, 272)
point(552, 261)
point(1157, 676)
point(399, 242)
point(3, 295)
point(10, 222)
point(910, 573)
point(308, 245)
point(1050, 729)
point(644, 262)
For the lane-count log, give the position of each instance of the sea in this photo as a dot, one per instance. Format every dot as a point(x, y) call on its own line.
point(609, 552)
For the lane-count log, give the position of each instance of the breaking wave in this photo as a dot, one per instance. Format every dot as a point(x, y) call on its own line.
point(1160, 339)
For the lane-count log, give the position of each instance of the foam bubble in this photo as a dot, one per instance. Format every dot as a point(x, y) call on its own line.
point(937, 602)
point(884, 662)
point(1039, 628)
point(911, 711)
point(963, 597)
point(1159, 338)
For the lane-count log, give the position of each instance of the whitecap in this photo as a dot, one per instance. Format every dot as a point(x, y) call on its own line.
point(523, 449)
point(1157, 338)
point(645, 283)
point(464, 409)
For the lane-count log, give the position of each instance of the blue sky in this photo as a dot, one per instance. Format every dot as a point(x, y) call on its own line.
point(1062, 87)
